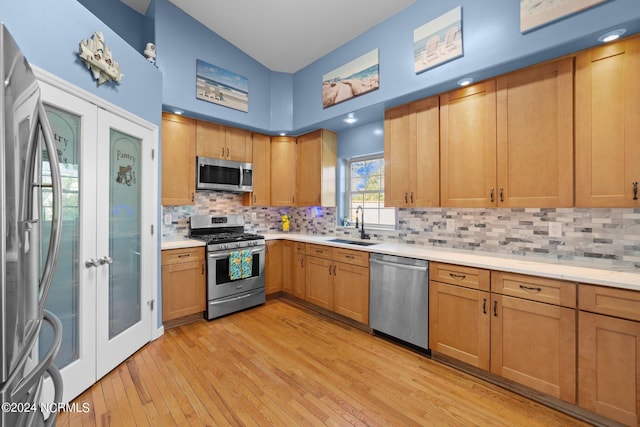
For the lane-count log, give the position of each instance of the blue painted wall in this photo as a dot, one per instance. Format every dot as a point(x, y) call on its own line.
point(493, 45)
point(49, 34)
point(180, 40)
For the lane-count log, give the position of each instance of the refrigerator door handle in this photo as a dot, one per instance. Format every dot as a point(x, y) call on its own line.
point(30, 379)
point(41, 123)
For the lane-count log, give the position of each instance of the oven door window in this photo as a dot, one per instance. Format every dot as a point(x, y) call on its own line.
point(222, 269)
point(212, 174)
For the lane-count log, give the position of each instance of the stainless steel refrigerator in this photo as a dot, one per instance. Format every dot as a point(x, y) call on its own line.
point(29, 178)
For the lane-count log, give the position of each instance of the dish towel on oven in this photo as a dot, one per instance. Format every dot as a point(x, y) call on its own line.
point(235, 265)
point(240, 264)
point(247, 263)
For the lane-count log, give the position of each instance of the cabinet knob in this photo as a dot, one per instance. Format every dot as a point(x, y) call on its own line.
point(92, 262)
point(105, 260)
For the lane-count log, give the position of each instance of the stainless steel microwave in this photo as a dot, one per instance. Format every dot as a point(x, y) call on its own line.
point(223, 175)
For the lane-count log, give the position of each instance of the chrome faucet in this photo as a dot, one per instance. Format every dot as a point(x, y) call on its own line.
point(363, 235)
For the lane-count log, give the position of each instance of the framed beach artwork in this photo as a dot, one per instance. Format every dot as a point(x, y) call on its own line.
point(222, 87)
point(438, 41)
point(353, 79)
point(536, 13)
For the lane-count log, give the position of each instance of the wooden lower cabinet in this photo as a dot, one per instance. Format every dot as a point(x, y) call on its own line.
point(534, 344)
point(183, 282)
point(519, 327)
point(609, 353)
point(273, 267)
point(319, 281)
point(351, 291)
point(459, 323)
point(293, 269)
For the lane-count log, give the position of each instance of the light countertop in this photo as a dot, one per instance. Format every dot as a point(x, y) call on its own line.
point(575, 271)
point(181, 244)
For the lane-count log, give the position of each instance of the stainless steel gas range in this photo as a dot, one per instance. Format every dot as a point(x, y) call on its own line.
point(235, 263)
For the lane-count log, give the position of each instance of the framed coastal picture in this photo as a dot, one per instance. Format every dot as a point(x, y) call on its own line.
point(353, 79)
point(536, 13)
point(438, 41)
point(222, 87)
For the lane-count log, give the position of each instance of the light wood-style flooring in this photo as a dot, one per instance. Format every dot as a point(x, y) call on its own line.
point(283, 365)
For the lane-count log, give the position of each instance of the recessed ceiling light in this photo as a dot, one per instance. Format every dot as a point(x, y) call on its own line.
point(350, 119)
point(283, 134)
point(612, 35)
point(465, 82)
point(178, 112)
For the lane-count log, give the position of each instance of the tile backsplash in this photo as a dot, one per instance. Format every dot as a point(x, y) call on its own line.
point(599, 236)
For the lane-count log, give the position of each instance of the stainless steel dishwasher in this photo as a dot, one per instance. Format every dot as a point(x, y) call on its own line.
point(399, 299)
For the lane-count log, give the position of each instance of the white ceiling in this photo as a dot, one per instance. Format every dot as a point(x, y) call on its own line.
point(286, 35)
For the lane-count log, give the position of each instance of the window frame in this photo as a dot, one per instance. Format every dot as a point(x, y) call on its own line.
point(348, 192)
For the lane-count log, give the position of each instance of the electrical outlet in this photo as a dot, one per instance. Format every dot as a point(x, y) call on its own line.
point(555, 229)
point(415, 223)
point(254, 216)
point(167, 219)
point(451, 225)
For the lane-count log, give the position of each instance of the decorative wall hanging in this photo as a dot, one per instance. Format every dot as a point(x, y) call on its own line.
point(536, 13)
point(353, 79)
point(438, 41)
point(97, 57)
point(217, 85)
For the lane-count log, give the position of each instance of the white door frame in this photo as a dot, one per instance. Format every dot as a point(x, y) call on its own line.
point(151, 242)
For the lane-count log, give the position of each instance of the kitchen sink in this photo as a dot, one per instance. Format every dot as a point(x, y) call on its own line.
point(352, 242)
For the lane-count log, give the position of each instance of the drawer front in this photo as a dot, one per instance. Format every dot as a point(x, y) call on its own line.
point(351, 257)
point(319, 251)
point(534, 288)
point(469, 277)
point(175, 256)
point(622, 303)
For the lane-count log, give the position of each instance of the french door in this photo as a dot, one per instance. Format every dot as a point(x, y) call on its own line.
point(102, 283)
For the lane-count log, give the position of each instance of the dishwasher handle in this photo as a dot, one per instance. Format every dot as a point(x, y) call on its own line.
point(398, 265)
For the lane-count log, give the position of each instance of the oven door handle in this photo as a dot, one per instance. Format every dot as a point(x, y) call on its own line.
point(227, 253)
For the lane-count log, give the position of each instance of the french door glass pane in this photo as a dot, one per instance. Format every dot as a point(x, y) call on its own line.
point(124, 232)
point(63, 297)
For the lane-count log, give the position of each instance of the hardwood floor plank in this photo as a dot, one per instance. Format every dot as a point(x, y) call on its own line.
point(281, 364)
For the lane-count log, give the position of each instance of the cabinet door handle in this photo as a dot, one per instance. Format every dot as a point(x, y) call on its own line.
point(319, 199)
point(635, 190)
point(484, 306)
point(530, 288)
point(227, 153)
point(495, 308)
point(501, 194)
point(301, 262)
point(254, 198)
point(334, 270)
point(405, 198)
point(412, 197)
point(203, 268)
point(329, 270)
point(491, 191)
point(193, 197)
point(222, 153)
point(184, 255)
point(350, 257)
point(458, 276)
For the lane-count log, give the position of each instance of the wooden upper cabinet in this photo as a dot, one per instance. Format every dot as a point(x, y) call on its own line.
point(316, 169)
point(283, 171)
point(397, 156)
point(222, 142)
point(468, 146)
point(412, 154)
point(178, 160)
point(261, 194)
point(239, 145)
point(211, 140)
point(607, 125)
point(535, 136)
